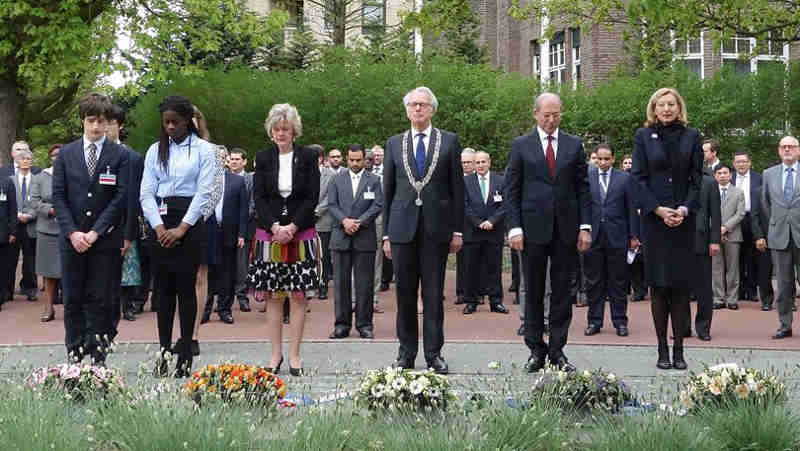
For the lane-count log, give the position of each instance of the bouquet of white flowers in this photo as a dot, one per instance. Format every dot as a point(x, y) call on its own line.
point(727, 384)
point(77, 381)
point(396, 388)
point(586, 389)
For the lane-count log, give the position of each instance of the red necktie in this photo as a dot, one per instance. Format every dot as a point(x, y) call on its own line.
point(550, 156)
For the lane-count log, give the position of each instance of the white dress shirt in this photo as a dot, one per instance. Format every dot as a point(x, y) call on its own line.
point(355, 178)
point(743, 183)
point(98, 144)
point(285, 174)
point(543, 139)
point(426, 139)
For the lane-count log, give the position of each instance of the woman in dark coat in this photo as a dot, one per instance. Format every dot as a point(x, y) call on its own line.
point(285, 258)
point(667, 166)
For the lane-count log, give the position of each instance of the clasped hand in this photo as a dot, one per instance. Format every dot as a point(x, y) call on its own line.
point(169, 237)
point(283, 234)
point(82, 241)
point(351, 225)
point(671, 216)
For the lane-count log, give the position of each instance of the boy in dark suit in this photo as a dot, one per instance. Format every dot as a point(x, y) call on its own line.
point(90, 182)
point(8, 232)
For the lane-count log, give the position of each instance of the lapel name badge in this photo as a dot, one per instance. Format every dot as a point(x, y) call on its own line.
point(3, 196)
point(369, 194)
point(107, 178)
point(498, 197)
point(162, 209)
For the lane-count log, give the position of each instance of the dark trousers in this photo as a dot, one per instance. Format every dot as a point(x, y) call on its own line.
point(90, 299)
point(422, 261)
point(7, 270)
point(362, 266)
point(705, 297)
point(563, 261)
point(242, 262)
point(748, 262)
point(483, 258)
point(638, 281)
point(176, 286)
point(765, 290)
point(387, 272)
point(126, 297)
point(607, 277)
point(460, 274)
point(222, 277)
point(116, 306)
point(327, 267)
point(515, 264)
point(27, 246)
point(141, 291)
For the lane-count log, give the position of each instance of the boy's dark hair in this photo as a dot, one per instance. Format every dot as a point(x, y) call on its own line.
point(117, 114)
point(240, 151)
point(603, 146)
point(94, 104)
point(722, 166)
point(355, 148)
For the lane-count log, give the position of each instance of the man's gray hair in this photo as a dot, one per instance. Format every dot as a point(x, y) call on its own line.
point(25, 154)
point(369, 153)
point(426, 90)
point(544, 96)
point(468, 151)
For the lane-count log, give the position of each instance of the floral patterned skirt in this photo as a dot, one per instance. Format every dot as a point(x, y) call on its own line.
point(283, 268)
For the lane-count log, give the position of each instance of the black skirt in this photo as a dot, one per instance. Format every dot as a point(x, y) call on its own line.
point(191, 250)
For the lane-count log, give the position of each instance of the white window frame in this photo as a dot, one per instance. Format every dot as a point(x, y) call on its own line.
point(783, 57)
point(685, 54)
point(576, 63)
point(560, 66)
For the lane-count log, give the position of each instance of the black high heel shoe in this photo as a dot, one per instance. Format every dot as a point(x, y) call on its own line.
point(277, 369)
point(296, 371)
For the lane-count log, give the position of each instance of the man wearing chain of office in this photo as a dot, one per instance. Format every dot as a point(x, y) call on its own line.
point(423, 216)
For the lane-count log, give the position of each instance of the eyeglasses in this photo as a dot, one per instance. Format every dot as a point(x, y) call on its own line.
point(415, 105)
point(788, 146)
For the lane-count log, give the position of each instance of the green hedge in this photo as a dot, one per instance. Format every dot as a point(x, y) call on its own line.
point(348, 98)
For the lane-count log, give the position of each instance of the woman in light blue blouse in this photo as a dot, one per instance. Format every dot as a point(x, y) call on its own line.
point(176, 186)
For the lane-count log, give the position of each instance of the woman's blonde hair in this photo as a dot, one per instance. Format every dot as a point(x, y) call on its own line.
point(651, 106)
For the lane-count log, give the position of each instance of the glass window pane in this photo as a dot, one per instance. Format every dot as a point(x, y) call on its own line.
point(694, 46)
point(680, 47)
point(740, 67)
point(694, 66)
point(728, 46)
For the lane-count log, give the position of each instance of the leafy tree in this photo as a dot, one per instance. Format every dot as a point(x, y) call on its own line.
point(454, 24)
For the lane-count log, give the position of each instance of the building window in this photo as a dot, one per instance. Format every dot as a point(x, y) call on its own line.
point(373, 14)
point(690, 53)
point(576, 57)
point(558, 60)
point(746, 55)
point(295, 10)
point(536, 59)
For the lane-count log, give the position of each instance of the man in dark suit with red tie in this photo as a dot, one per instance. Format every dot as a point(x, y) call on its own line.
point(549, 215)
point(423, 217)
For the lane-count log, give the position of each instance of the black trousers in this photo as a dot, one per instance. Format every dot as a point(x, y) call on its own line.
point(362, 266)
point(563, 260)
point(387, 272)
point(607, 277)
point(7, 270)
point(515, 264)
point(748, 262)
point(765, 291)
point(27, 246)
point(222, 277)
point(141, 291)
point(483, 258)
point(705, 297)
point(638, 281)
point(90, 299)
point(327, 267)
point(420, 262)
point(176, 286)
point(460, 274)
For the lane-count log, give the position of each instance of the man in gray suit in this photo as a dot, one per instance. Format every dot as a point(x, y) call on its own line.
point(725, 265)
point(26, 241)
point(323, 225)
point(781, 205)
point(354, 201)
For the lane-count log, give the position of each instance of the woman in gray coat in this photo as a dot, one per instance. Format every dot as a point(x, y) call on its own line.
point(48, 261)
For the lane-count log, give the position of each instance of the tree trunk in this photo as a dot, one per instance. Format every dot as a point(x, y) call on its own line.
point(10, 117)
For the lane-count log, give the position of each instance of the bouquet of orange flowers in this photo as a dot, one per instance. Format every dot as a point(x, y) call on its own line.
point(235, 382)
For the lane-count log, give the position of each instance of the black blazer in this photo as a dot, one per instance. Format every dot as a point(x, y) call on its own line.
point(83, 204)
point(305, 188)
point(134, 207)
point(341, 204)
point(708, 220)
point(477, 211)
point(442, 199)
point(235, 204)
point(535, 199)
point(654, 176)
point(8, 210)
point(617, 214)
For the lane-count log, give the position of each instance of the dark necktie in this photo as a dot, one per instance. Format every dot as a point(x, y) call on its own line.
point(788, 187)
point(724, 195)
point(550, 155)
point(421, 154)
point(604, 187)
point(24, 188)
point(91, 162)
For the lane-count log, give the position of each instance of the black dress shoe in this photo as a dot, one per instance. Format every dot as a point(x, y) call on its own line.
point(535, 363)
point(226, 318)
point(206, 318)
point(323, 292)
point(296, 372)
point(366, 333)
point(404, 363)
point(718, 306)
point(733, 306)
point(459, 300)
point(521, 330)
point(339, 333)
point(782, 333)
point(704, 337)
point(244, 305)
point(766, 308)
point(470, 309)
point(622, 331)
point(563, 364)
point(439, 365)
point(128, 315)
point(498, 308)
point(591, 330)
point(384, 286)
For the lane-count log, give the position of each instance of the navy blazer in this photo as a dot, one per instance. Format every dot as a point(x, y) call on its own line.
point(134, 207)
point(8, 210)
point(755, 185)
point(235, 206)
point(341, 205)
point(82, 203)
point(535, 198)
point(477, 211)
point(708, 220)
point(617, 214)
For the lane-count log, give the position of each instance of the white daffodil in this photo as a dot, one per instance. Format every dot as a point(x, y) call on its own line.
point(415, 387)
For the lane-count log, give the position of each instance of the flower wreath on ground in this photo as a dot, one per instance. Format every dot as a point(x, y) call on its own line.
point(77, 381)
point(399, 389)
point(250, 384)
point(595, 389)
point(728, 384)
